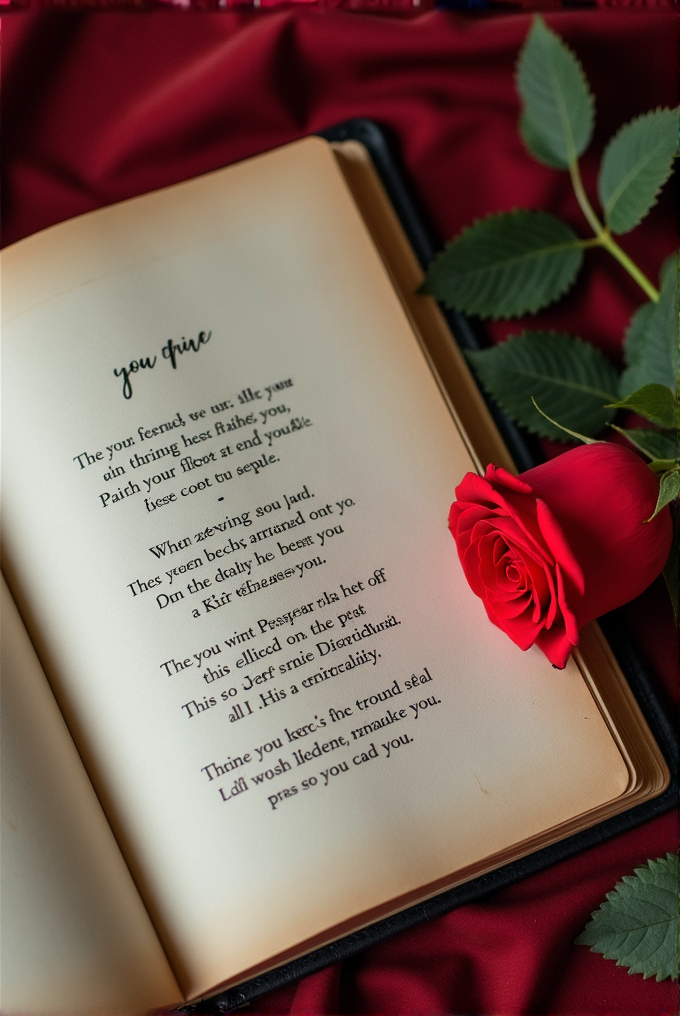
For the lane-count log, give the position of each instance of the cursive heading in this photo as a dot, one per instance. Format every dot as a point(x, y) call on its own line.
point(170, 352)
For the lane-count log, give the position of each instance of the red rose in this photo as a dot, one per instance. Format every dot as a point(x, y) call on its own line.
point(561, 544)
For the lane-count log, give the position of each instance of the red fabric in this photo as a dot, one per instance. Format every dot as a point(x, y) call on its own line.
point(98, 107)
point(552, 549)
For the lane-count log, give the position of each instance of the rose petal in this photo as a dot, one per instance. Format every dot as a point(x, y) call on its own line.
point(521, 630)
point(552, 549)
point(499, 475)
point(600, 493)
point(556, 646)
point(568, 616)
point(557, 542)
point(517, 537)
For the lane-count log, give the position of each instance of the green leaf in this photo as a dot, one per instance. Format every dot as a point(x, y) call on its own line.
point(669, 488)
point(558, 116)
point(569, 379)
point(655, 358)
point(572, 433)
point(657, 444)
point(638, 924)
point(636, 333)
point(669, 267)
point(506, 265)
point(671, 572)
point(660, 466)
point(655, 402)
point(635, 166)
point(536, 145)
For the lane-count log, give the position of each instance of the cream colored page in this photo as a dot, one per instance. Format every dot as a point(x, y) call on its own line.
point(74, 934)
point(231, 677)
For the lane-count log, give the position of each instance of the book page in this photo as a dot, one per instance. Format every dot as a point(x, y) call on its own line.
point(74, 933)
point(228, 471)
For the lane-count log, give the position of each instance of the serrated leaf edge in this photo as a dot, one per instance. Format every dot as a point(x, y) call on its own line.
point(597, 916)
point(623, 127)
point(576, 243)
point(470, 357)
point(523, 126)
point(627, 404)
point(566, 335)
point(649, 311)
point(538, 18)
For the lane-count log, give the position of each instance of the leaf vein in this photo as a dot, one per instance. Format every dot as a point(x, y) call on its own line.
point(527, 256)
point(635, 170)
point(562, 382)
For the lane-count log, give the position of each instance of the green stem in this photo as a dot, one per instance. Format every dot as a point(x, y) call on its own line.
point(643, 282)
point(603, 237)
point(582, 199)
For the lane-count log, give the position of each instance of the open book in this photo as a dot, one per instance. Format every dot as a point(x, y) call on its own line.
point(232, 434)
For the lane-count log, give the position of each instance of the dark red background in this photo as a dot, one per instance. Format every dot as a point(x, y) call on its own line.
point(102, 106)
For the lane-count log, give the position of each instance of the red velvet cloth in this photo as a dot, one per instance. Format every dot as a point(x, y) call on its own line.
point(101, 106)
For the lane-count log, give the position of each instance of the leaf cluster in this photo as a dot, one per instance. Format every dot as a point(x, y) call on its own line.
point(637, 925)
point(513, 263)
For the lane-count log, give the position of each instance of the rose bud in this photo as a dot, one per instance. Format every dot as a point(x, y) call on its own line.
point(561, 544)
